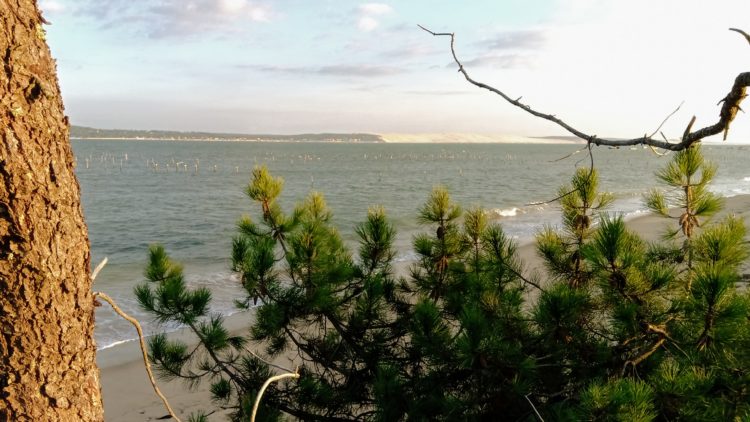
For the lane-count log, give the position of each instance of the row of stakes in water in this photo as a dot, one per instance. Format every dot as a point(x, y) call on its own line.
point(105, 159)
point(181, 166)
point(176, 166)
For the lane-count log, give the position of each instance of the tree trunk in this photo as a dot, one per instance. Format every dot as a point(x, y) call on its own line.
point(47, 352)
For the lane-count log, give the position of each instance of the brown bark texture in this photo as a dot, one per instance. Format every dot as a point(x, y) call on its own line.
point(47, 352)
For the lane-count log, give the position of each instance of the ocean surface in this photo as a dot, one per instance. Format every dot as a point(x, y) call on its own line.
point(189, 195)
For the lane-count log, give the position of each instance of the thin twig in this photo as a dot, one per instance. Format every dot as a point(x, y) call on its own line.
point(536, 412)
point(98, 268)
point(635, 362)
point(567, 156)
point(257, 356)
point(524, 279)
point(137, 326)
point(745, 34)
point(665, 120)
point(591, 172)
point(263, 390)
point(657, 153)
point(143, 349)
point(727, 113)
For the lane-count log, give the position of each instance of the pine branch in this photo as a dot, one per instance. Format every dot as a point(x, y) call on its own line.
point(221, 364)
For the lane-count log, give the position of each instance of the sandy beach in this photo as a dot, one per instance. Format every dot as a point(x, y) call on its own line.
point(127, 392)
point(128, 395)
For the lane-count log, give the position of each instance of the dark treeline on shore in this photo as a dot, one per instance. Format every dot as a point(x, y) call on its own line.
point(82, 132)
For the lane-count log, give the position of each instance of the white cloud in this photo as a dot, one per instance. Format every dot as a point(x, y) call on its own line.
point(51, 6)
point(368, 14)
point(260, 14)
point(498, 61)
point(350, 70)
point(243, 8)
point(232, 6)
point(178, 18)
point(367, 23)
point(375, 9)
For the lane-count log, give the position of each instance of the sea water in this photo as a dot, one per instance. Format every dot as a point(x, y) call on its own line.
point(188, 196)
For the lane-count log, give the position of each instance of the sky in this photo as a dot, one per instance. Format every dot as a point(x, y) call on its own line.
point(608, 67)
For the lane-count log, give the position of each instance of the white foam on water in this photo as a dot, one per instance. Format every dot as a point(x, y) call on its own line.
point(406, 257)
point(115, 343)
point(111, 329)
point(506, 212)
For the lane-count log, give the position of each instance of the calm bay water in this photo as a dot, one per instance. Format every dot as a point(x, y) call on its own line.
point(189, 195)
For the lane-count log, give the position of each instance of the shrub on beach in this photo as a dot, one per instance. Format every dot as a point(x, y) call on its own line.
point(614, 328)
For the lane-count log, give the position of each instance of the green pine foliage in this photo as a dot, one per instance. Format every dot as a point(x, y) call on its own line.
point(687, 178)
point(608, 332)
point(562, 250)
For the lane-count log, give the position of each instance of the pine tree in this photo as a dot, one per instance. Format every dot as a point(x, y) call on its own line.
point(688, 176)
point(468, 341)
point(316, 299)
point(689, 349)
point(611, 334)
point(565, 314)
point(562, 250)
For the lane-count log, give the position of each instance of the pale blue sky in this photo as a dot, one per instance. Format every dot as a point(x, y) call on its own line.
point(289, 66)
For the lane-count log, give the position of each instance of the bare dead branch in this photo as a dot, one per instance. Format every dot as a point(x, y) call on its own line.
point(257, 356)
point(635, 362)
point(727, 113)
point(263, 390)
point(745, 34)
point(536, 412)
point(98, 268)
point(588, 177)
point(567, 156)
point(665, 120)
point(687, 129)
point(137, 326)
point(657, 153)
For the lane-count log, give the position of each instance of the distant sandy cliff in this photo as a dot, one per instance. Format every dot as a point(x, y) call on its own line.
point(472, 138)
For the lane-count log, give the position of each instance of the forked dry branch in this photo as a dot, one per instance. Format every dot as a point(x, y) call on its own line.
point(730, 107)
point(141, 339)
point(137, 325)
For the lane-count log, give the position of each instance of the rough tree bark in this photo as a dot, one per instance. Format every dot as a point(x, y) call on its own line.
point(47, 352)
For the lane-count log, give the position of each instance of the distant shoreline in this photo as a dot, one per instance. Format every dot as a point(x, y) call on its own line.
point(401, 139)
point(413, 141)
point(87, 133)
point(82, 133)
point(100, 138)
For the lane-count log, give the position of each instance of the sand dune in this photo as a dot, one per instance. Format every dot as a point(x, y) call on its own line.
point(465, 138)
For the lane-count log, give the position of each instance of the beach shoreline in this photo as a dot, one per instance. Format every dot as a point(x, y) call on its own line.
point(128, 395)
